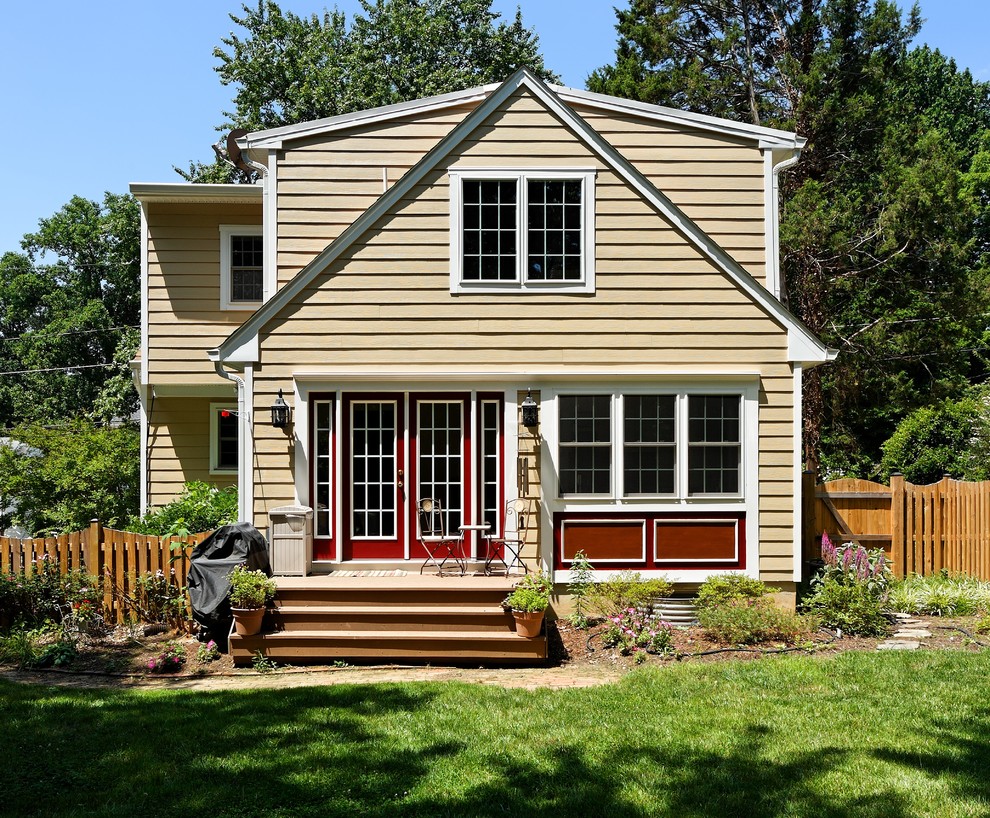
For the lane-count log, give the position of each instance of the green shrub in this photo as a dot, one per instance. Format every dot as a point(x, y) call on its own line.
point(722, 588)
point(750, 620)
point(45, 595)
point(625, 590)
point(940, 595)
point(850, 593)
point(201, 507)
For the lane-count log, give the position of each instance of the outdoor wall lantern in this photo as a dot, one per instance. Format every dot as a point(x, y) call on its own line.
point(280, 412)
point(530, 411)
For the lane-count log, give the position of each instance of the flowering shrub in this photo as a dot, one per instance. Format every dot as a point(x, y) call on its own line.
point(851, 591)
point(43, 594)
point(171, 659)
point(631, 632)
point(208, 652)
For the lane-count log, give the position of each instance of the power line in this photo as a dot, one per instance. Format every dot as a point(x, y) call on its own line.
point(45, 336)
point(59, 369)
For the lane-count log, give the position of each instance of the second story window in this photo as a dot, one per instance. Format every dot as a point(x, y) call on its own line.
point(242, 268)
point(522, 231)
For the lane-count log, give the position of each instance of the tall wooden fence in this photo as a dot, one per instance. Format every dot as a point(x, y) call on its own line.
point(923, 529)
point(117, 557)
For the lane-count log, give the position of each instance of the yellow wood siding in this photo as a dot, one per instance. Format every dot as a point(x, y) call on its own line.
point(325, 183)
point(718, 181)
point(179, 447)
point(658, 303)
point(184, 315)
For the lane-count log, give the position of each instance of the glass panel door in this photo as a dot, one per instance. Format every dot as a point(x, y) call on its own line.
point(374, 463)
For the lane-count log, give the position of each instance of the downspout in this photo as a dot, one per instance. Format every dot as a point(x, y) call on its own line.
point(244, 430)
point(779, 288)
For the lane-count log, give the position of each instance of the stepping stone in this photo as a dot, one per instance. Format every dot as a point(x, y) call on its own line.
point(899, 645)
point(909, 633)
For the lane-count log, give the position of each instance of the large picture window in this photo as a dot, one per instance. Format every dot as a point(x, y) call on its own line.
point(515, 230)
point(675, 444)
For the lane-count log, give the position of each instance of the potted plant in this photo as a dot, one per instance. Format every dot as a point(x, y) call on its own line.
point(250, 593)
point(528, 603)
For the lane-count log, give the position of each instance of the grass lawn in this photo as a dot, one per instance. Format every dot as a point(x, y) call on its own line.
point(859, 734)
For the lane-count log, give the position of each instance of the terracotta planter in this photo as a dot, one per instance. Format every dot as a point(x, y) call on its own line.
point(528, 623)
point(247, 621)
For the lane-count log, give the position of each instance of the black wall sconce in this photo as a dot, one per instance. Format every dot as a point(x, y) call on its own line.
point(530, 411)
point(280, 412)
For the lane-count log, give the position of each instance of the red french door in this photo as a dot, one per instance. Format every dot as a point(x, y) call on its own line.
point(366, 478)
point(373, 478)
point(440, 452)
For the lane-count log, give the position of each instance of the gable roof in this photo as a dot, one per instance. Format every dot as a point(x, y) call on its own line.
point(275, 138)
point(803, 346)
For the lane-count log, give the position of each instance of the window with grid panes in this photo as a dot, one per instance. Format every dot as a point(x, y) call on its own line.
point(553, 230)
point(585, 444)
point(247, 283)
point(225, 453)
point(489, 230)
point(650, 444)
point(714, 444)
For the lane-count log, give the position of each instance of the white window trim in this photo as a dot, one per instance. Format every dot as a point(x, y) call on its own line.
point(215, 410)
point(681, 497)
point(227, 232)
point(587, 282)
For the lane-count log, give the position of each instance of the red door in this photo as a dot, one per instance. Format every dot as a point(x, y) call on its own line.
point(373, 478)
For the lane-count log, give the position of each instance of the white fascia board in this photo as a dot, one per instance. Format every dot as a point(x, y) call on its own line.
point(529, 375)
point(244, 351)
point(145, 321)
point(766, 137)
point(804, 348)
point(276, 137)
point(189, 192)
point(221, 389)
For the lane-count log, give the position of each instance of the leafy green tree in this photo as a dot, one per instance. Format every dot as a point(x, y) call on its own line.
point(83, 472)
point(287, 68)
point(69, 306)
point(882, 219)
point(947, 438)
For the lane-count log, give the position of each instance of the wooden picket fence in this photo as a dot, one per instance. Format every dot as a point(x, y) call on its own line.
point(944, 526)
point(116, 557)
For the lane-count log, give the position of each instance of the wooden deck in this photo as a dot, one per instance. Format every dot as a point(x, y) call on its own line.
point(395, 618)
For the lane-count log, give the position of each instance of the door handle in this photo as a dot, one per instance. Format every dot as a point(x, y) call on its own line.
point(401, 484)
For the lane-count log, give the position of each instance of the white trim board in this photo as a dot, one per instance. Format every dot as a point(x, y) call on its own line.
point(802, 345)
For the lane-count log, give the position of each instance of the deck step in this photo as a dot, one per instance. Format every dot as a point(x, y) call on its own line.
point(393, 617)
point(453, 647)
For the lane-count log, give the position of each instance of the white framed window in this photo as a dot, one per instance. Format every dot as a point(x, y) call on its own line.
point(224, 438)
point(665, 444)
point(522, 230)
point(242, 269)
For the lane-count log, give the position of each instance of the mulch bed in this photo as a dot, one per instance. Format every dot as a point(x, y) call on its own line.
point(126, 652)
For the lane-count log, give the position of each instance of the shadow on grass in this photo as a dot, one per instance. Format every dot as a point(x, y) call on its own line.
point(423, 750)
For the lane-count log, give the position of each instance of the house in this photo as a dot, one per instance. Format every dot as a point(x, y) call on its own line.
point(406, 278)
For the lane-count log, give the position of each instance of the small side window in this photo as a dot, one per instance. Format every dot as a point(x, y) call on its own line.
point(242, 267)
point(224, 438)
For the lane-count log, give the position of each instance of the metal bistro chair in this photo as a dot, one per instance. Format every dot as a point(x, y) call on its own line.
point(510, 540)
point(440, 546)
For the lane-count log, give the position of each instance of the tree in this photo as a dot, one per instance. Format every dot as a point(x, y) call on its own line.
point(69, 308)
point(880, 219)
point(289, 69)
point(83, 471)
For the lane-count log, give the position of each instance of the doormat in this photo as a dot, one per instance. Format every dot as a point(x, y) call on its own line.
point(398, 572)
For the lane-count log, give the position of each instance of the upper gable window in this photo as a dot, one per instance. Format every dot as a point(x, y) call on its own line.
point(242, 270)
point(522, 231)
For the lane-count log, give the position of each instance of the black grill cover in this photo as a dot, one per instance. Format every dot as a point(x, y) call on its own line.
point(209, 568)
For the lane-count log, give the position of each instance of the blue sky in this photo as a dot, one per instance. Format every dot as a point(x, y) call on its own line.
point(100, 94)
